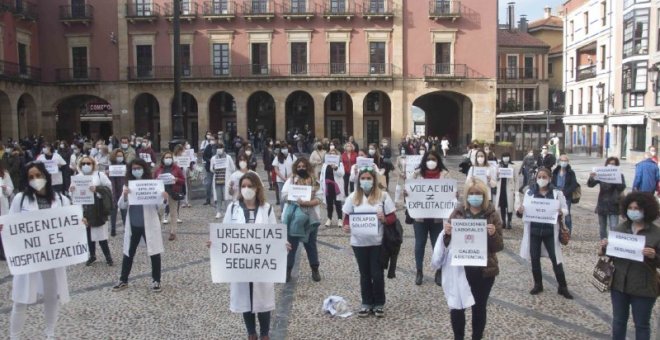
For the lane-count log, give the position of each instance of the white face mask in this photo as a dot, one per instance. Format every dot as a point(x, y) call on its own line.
point(542, 182)
point(38, 183)
point(372, 152)
point(248, 153)
point(285, 152)
point(505, 159)
point(86, 169)
point(332, 147)
point(242, 164)
point(421, 152)
point(480, 160)
point(431, 165)
point(124, 146)
point(120, 159)
point(167, 161)
point(248, 193)
point(187, 147)
point(220, 151)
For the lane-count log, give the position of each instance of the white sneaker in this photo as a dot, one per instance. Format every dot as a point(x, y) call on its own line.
point(217, 216)
point(328, 223)
point(178, 220)
point(165, 221)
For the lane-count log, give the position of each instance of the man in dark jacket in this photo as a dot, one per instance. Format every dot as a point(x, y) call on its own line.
point(546, 159)
point(209, 152)
point(564, 179)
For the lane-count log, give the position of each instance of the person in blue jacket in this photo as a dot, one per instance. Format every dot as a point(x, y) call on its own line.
point(646, 175)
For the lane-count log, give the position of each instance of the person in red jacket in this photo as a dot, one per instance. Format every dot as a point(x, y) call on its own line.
point(348, 159)
point(174, 181)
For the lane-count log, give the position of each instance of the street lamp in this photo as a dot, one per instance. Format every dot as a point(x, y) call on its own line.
point(177, 115)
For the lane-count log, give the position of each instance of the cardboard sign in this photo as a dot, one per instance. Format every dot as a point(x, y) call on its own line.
point(183, 161)
point(540, 210)
point(608, 174)
point(363, 224)
point(332, 159)
point(481, 173)
point(167, 178)
point(469, 243)
point(145, 192)
point(412, 163)
point(51, 166)
point(248, 252)
point(146, 157)
point(431, 198)
point(505, 172)
point(363, 162)
point(44, 239)
point(625, 246)
point(220, 163)
point(117, 170)
point(303, 192)
point(82, 194)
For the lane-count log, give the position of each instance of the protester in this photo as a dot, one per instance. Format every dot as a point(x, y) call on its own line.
point(147, 153)
point(6, 191)
point(609, 197)
point(102, 156)
point(221, 177)
point(76, 154)
point(15, 165)
point(117, 157)
point(332, 185)
point(546, 159)
point(127, 149)
point(282, 165)
point(647, 175)
point(268, 157)
point(506, 191)
point(348, 159)
point(564, 179)
point(387, 164)
point(179, 151)
point(527, 169)
point(317, 158)
point(174, 190)
point(354, 173)
point(208, 152)
point(252, 157)
point(233, 184)
point(56, 176)
point(481, 162)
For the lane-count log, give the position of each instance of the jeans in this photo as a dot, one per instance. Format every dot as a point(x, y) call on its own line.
point(547, 238)
point(641, 310)
point(347, 183)
point(567, 219)
point(127, 263)
point(422, 231)
point(606, 223)
point(310, 247)
point(113, 218)
point(208, 184)
point(480, 287)
point(372, 282)
point(219, 198)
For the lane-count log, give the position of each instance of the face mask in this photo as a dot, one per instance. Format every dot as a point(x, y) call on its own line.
point(44, 150)
point(332, 147)
point(505, 159)
point(124, 146)
point(212, 142)
point(366, 184)
point(61, 146)
point(431, 165)
point(475, 200)
point(120, 159)
point(530, 154)
point(542, 182)
point(384, 145)
point(480, 160)
point(563, 164)
point(38, 183)
point(167, 161)
point(86, 169)
point(76, 151)
point(137, 173)
point(285, 152)
point(220, 151)
point(248, 193)
point(242, 164)
point(403, 151)
point(248, 153)
point(93, 152)
point(421, 152)
point(372, 152)
point(635, 215)
point(187, 147)
point(652, 153)
point(208, 137)
point(302, 173)
point(271, 143)
point(544, 151)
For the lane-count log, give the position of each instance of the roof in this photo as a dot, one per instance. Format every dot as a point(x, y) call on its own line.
point(516, 38)
point(557, 49)
point(552, 22)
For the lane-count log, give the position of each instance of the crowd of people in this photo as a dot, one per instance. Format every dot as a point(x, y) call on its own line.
point(37, 175)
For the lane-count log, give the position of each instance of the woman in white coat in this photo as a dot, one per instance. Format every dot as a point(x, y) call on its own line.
point(481, 170)
point(51, 284)
point(142, 222)
point(332, 185)
point(232, 188)
point(221, 177)
point(541, 239)
point(6, 190)
point(506, 191)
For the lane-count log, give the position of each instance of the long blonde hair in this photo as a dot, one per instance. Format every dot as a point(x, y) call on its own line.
point(479, 185)
point(375, 194)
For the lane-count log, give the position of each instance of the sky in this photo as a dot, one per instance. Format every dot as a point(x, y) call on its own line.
point(532, 8)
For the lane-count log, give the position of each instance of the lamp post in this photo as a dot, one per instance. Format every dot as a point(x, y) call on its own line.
point(177, 115)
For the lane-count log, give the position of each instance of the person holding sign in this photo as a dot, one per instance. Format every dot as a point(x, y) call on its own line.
point(142, 222)
point(369, 199)
point(317, 158)
point(348, 159)
point(506, 189)
point(332, 184)
point(634, 283)
point(118, 159)
point(481, 170)
point(54, 162)
point(476, 206)
point(303, 176)
point(232, 188)
point(609, 197)
point(223, 167)
point(542, 238)
point(174, 191)
point(180, 151)
point(354, 176)
point(51, 284)
point(282, 166)
point(6, 190)
point(564, 179)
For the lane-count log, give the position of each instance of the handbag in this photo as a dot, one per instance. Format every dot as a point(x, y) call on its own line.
point(603, 274)
point(564, 233)
point(576, 195)
point(657, 278)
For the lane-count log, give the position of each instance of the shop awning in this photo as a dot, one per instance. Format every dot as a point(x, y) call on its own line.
point(636, 119)
point(584, 119)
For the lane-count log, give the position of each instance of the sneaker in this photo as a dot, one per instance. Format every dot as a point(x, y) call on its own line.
point(217, 216)
point(90, 261)
point(364, 312)
point(155, 287)
point(113, 233)
point(379, 312)
point(178, 220)
point(328, 223)
point(165, 221)
point(120, 286)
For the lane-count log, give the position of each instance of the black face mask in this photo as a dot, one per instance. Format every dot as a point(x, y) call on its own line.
point(302, 173)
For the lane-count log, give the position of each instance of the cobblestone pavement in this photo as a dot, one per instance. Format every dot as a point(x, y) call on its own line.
point(191, 307)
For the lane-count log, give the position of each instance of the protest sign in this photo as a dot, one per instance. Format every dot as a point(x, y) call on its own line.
point(167, 178)
point(608, 174)
point(363, 162)
point(363, 224)
point(248, 252)
point(220, 163)
point(144, 192)
point(431, 198)
point(82, 194)
point(51, 166)
point(44, 239)
point(505, 172)
point(146, 157)
point(183, 161)
point(190, 153)
point(412, 163)
point(332, 159)
point(481, 173)
point(626, 246)
point(117, 170)
point(469, 243)
point(493, 164)
point(540, 210)
point(304, 192)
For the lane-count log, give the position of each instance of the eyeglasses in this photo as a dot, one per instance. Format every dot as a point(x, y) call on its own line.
point(85, 163)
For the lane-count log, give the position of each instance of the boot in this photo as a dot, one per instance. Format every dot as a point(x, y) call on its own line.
point(288, 275)
point(538, 287)
point(316, 276)
point(253, 337)
point(265, 337)
point(563, 291)
point(508, 223)
point(391, 271)
point(438, 277)
point(419, 277)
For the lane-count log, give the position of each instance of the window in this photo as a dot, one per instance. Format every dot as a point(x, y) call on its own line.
point(639, 137)
point(259, 6)
point(603, 56)
point(298, 6)
point(628, 3)
point(442, 58)
point(658, 36)
point(590, 97)
point(186, 7)
point(511, 101)
point(221, 59)
point(572, 67)
point(79, 62)
point(220, 7)
point(528, 100)
point(377, 6)
point(512, 67)
point(636, 33)
point(571, 26)
point(337, 57)
point(373, 102)
point(22, 59)
point(603, 13)
point(529, 67)
point(580, 95)
point(338, 6)
point(77, 8)
point(144, 61)
point(586, 22)
point(550, 71)
point(336, 101)
point(143, 8)
point(570, 109)
point(634, 83)
point(442, 7)
point(185, 60)
point(298, 58)
point(260, 58)
point(377, 57)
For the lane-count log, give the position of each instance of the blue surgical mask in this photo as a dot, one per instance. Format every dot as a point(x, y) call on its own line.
point(635, 215)
point(475, 200)
point(137, 173)
point(366, 184)
point(563, 164)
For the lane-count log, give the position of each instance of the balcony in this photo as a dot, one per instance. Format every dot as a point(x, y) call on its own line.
point(298, 10)
point(338, 9)
point(219, 10)
point(24, 10)
point(141, 12)
point(507, 75)
point(188, 11)
point(514, 106)
point(585, 72)
point(79, 14)
point(18, 72)
point(259, 10)
point(377, 9)
point(444, 72)
point(78, 75)
point(444, 10)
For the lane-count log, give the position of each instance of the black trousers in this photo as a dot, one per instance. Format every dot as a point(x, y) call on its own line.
point(127, 263)
point(480, 287)
point(332, 202)
point(372, 283)
point(92, 245)
point(536, 241)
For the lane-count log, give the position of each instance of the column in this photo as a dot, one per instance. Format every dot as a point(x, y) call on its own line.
point(358, 118)
point(319, 115)
point(397, 115)
point(165, 120)
point(241, 113)
point(280, 117)
point(202, 116)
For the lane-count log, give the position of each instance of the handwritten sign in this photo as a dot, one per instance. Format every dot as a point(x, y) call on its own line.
point(626, 246)
point(431, 198)
point(469, 243)
point(332, 159)
point(412, 163)
point(481, 173)
point(608, 174)
point(363, 224)
point(220, 163)
point(248, 252)
point(303, 192)
point(505, 172)
point(182, 161)
point(363, 162)
point(167, 178)
point(51, 166)
point(540, 210)
point(145, 157)
point(145, 192)
point(117, 170)
point(190, 153)
point(82, 194)
point(44, 239)
point(493, 164)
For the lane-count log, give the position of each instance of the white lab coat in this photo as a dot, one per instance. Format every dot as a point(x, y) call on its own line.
point(152, 228)
point(524, 244)
point(228, 171)
point(511, 188)
point(338, 178)
point(492, 172)
point(6, 193)
point(56, 178)
point(454, 282)
point(263, 293)
point(27, 288)
point(99, 179)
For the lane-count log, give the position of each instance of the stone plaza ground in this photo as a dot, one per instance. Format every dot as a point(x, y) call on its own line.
point(191, 307)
